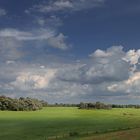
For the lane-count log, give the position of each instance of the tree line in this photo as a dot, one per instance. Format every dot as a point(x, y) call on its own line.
point(62, 105)
point(31, 104)
point(125, 106)
point(99, 105)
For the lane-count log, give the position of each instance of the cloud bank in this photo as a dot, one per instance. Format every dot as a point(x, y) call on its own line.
point(105, 74)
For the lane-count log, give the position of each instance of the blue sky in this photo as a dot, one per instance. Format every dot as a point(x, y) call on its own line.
point(70, 50)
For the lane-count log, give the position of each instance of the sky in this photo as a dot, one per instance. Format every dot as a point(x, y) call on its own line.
point(70, 51)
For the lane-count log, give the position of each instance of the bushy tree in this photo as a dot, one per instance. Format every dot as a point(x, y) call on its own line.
point(21, 104)
point(97, 105)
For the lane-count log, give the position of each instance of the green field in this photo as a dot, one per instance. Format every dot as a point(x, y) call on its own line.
point(62, 121)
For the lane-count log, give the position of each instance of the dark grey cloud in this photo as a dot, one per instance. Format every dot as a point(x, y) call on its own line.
point(101, 67)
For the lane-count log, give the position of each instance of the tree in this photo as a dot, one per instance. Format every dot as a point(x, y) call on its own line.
point(21, 104)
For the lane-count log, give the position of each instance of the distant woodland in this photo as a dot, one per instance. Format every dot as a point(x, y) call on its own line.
point(99, 105)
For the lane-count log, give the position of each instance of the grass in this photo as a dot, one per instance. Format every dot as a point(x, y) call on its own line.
point(59, 121)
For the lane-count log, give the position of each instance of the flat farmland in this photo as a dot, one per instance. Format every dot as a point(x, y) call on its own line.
point(70, 123)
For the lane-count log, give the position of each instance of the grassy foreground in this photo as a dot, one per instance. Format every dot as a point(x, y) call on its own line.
point(61, 121)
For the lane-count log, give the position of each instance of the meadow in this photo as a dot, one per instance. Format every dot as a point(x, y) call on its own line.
point(52, 122)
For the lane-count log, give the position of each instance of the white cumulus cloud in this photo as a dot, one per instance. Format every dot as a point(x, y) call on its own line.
point(131, 85)
point(132, 56)
point(28, 80)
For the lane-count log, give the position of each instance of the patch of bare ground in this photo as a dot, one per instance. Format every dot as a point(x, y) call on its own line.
point(133, 134)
